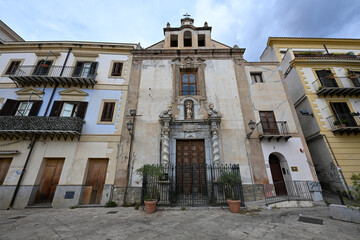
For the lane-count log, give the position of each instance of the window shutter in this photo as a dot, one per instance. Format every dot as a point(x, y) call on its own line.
point(82, 110)
point(108, 111)
point(117, 69)
point(93, 68)
point(77, 69)
point(35, 108)
point(56, 108)
point(9, 107)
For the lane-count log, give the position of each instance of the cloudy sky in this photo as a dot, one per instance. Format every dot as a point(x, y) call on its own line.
point(246, 23)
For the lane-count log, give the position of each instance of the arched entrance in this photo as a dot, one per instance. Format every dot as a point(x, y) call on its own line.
point(277, 175)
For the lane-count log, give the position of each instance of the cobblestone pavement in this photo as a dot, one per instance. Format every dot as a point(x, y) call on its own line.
point(128, 223)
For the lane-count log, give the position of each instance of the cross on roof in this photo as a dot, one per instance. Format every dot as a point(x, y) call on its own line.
point(186, 15)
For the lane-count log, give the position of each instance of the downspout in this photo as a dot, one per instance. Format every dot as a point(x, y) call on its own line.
point(31, 146)
point(57, 84)
point(129, 160)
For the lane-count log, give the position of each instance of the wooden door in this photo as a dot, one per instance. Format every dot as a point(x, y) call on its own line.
point(190, 166)
point(95, 181)
point(268, 122)
point(4, 168)
point(278, 179)
point(343, 113)
point(49, 181)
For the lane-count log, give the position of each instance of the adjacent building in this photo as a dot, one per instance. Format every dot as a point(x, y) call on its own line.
point(62, 109)
point(323, 76)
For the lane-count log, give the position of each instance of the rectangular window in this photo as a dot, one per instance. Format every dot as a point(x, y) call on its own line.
point(108, 112)
point(173, 40)
point(68, 109)
point(12, 68)
point(256, 77)
point(355, 77)
point(326, 78)
point(268, 122)
point(24, 109)
point(188, 83)
point(42, 68)
point(20, 108)
point(201, 40)
point(117, 69)
point(343, 114)
point(85, 69)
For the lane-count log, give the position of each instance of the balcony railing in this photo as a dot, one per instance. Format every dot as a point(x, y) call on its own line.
point(26, 126)
point(273, 129)
point(344, 123)
point(37, 75)
point(337, 86)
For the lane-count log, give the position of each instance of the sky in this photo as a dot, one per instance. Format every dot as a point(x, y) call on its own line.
point(246, 23)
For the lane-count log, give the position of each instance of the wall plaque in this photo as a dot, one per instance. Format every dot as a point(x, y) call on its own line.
point(294, 169)
point(69, 195)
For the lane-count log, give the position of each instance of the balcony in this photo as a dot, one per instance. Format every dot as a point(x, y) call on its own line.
point(273, 129)
point(38, 75)
point(28, 126)
point(344, 123)
point(337, 86)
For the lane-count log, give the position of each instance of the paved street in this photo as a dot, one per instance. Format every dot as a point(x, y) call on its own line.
point(128, 223)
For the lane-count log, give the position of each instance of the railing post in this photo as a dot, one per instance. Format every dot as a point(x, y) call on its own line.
point(192, 185)
point(212, 185)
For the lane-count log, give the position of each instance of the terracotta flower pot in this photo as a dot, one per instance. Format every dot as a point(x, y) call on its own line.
point(150, 206)
point(234, 205)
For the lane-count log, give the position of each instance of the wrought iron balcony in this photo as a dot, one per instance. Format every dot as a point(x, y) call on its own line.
point(26, 126)
point(273, 129)
point(337, 86)
point(344, 123)
point(37, 75)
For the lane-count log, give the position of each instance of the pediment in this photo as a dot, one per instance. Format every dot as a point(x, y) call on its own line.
point(29, 91)
point(73, 92)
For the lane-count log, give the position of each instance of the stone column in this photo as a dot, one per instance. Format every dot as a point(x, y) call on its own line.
point(165, 150)
point(215, 141)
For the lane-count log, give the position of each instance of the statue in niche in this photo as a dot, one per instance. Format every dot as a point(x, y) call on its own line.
point(188, 110)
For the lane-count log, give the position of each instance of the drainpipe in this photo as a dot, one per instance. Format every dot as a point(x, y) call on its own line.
point(57, 84)
point(31, 146)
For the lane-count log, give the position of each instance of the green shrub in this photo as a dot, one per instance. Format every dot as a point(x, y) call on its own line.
point(355, 178)
point(229, 180)
point(111, 204)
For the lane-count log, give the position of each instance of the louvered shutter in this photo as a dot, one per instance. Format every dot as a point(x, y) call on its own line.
point(93, 68)
point(82, 110)
point(78, 68)
point(9, 107)
point(56, 108)
point(35, 108)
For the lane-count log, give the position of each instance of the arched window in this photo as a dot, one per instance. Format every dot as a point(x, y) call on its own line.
point(187, 39)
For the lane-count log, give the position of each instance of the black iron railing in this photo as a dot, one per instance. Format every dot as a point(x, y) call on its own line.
point(272, 128)
point(343, 120)
point(287, 191)
point(335, 83)
point(191, 185)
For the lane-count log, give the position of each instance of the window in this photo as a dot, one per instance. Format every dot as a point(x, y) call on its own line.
point(187, 39)
point(42, 68)
point(12, 68)
point(21, 108)
point(24, 109)
point(108, 112)
point(188, 83)
point(201, 40)
point(256, 77)
point(325, 79)
point(343, 114)
point(268, 122)
point(117, 69)
point(68, 109)
point(355, 77)
point(85, 69)
point(173, 40)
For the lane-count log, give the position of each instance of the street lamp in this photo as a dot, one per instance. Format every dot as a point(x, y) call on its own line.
point(251, 125)
point(129, 126)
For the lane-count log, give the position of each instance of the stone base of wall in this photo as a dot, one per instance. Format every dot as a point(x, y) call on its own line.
point(253, 192)
point(133, 195)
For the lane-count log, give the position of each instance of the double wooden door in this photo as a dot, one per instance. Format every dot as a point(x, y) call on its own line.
point(49, 181)
point(95, 181)
point(190, 167)
point(268, 122)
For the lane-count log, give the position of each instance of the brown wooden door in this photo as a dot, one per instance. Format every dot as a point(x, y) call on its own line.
point(95, 181)
point(268, 122)
point(278, 179)
point(49, 181)
point(190, 166)
point(4, 168)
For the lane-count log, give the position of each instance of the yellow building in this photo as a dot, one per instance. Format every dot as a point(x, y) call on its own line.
point(323, 77)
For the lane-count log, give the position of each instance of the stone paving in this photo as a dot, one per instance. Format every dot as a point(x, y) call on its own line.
point(192, 223)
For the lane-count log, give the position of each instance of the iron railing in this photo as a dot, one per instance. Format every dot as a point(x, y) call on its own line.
point(343, 82)
point(193, 185)
point(272, 128)
point(287, 191)
point(343, 120)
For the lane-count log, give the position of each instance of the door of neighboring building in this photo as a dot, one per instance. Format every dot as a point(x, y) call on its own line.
point(343, 113)
point(268, 122)
point(325, 80)
point(49, 181)
point(190, 167)
point(278, 179)
point(4, 168)
point(95, 181)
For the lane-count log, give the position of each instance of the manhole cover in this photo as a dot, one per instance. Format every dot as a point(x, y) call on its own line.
point(311, 220)
point(112, 212)
point(17, 217)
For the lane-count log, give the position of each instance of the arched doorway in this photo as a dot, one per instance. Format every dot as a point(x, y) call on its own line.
point(277, 175)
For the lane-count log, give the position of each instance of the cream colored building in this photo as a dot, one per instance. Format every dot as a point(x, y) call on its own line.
point(62, 109)
point(195, 96)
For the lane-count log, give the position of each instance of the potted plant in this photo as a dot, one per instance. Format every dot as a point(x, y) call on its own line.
point(331, 76)
point(230, 180)
point(152, 195)
point(355, 114)
point(351, 75)
point(340, 124)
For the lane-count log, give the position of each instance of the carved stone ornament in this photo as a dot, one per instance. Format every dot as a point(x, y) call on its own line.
point(188, 110)
point(189, 60)
point(190, 127)
point(210, 107)
point(167, 112)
